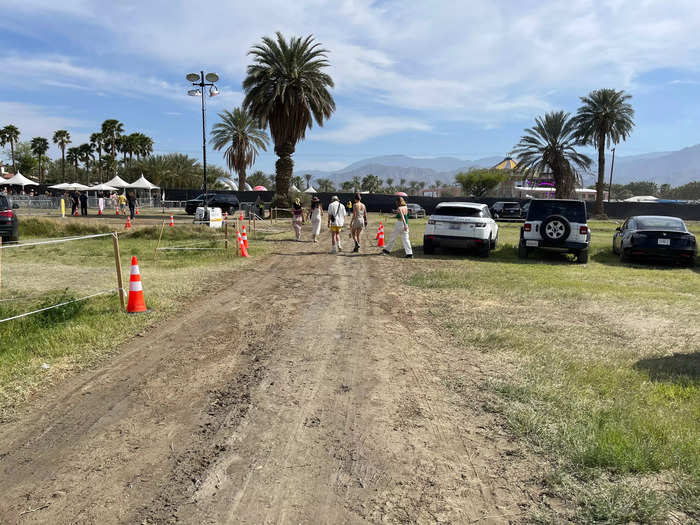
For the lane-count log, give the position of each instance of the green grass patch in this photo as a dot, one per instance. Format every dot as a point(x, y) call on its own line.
point(608, 368)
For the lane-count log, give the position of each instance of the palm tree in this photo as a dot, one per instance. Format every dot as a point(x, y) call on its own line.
point(438, 185)
point(40, 146)
point(73, 156)
point(111, 129)
point(325, 185)
point(144, 146)
point(10, 134)
point(242, 137)
point(287, 89)
point(308, 176)
point(62, 138)
point(389, 183)
point(347, 186)
point(550, 144)
point(96, 141)
point(86, 154)
point(605, 118)
point(356, 183)
point(402, 184)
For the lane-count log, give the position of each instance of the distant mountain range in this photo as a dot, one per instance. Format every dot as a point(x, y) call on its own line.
point(669, 167)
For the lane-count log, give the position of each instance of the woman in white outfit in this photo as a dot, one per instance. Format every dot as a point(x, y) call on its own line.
point(315, 215)
point(400, 228)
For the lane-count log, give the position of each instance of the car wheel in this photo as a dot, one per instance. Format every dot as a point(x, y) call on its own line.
point(494, 243)
point(690, 262)
point(582, 256)
point(614, 250)
point(428, 247)
point(624, 258)
point(484, 249)
point(522, 250)
point(555, 228)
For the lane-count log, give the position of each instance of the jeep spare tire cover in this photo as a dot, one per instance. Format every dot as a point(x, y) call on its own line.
point(555, 228)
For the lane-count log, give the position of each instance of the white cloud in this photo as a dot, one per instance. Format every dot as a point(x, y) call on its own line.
point(39, 121)
point(359, 128)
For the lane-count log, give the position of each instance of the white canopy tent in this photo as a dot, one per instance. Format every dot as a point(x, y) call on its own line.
point(61, 186)
point(310, 189)
point(19, 180)
point(142, 184)
point(642, 198)
point(294, 188)
point(71, 186)
point(248, 187)
point(102, 187)
point(117, 182)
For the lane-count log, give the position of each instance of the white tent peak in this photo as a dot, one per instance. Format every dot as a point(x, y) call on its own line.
point(142, 184)
point(19, 180)
point(310, 189)
point(294, 188)
point(117, 182)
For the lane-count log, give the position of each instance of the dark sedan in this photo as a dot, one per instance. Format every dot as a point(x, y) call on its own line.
point(9, 226)
point(655, 237)
point(227, 202)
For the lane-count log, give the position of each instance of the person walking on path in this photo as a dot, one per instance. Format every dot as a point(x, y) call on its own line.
point(131, 200)
point(336, 219)
point(400, 228)
point(83, 203)
point(74, 202)
point(315, 216)
point(122, 202)
point(297, 218)
point(358, 222)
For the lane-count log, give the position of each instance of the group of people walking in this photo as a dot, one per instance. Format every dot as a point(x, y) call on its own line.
point(335, 220)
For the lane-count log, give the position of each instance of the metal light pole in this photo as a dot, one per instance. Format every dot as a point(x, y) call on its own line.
point(612, 165)
point(200, 80)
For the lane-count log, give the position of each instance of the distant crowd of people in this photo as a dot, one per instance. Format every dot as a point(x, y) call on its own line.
point(357, 212)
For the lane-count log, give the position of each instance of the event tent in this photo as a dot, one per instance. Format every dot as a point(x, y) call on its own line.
point(401, 194)
point(260, 188)
point(117, 182)
point(102, 187)
point(71, 186)
point(248, 187)
point(18, 180)
point(310, 189)
point(642, 198)
point(294, 188)
point(142, 184)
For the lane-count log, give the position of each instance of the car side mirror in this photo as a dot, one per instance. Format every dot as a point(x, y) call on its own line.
point(15, 206)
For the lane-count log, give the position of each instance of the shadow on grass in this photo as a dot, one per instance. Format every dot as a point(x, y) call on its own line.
point(507, 254)
point(672, 367)
point(607, 257)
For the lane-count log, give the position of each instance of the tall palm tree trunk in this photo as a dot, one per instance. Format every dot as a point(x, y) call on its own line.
point(63, 163)
point(600, 185)
point(241, 180)
point(284, 168)
point(12, 150)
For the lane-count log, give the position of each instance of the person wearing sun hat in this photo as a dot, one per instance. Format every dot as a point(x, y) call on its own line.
point(336, 219)
point(297, 218)
point(315, 216)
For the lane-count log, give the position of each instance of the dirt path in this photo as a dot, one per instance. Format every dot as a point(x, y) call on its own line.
point(316, 393)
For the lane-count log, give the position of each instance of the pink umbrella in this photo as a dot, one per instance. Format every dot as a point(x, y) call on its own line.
point(401, 194)
point(260, 188)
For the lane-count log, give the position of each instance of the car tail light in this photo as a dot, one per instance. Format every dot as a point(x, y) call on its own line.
point(7, 213)
point(431, 221)
point(583, 230)
point(527, 227)
point(480, 225)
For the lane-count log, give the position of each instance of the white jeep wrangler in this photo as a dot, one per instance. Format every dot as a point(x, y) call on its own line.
point(555, 224)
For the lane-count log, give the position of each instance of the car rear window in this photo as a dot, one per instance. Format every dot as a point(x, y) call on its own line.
point(4, 203)
point(511, 205)
point(459, 211)
point(661, 223)
point(572, 211)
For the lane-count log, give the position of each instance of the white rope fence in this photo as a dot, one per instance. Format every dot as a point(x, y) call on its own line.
point(54, 241)
point(104, 292)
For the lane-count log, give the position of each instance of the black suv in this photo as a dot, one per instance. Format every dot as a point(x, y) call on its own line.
point(555, 224)
point(506, 210)
point(226, 202)
point(9, 225)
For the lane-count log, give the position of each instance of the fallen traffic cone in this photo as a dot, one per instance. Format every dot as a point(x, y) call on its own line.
point(244, 250)
point(380, 241)
point(172, 222)
point(136, 301)
point(245, 238)
point(127, 226)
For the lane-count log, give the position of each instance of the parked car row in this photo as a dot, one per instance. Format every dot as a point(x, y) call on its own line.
point(558, 225)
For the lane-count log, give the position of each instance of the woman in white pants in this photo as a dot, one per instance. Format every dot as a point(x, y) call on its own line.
point(315, 215)
point(400, 228)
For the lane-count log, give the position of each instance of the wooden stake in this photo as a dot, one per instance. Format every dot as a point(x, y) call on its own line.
point(254, 221)
point(155, 252)
point(0, 263)
point(118, 264)
point(226, 234)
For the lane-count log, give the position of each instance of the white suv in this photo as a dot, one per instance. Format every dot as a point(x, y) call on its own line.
point(558, 225)
point(461, 225)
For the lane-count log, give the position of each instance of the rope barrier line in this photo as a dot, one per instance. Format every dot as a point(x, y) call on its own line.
point(176, 248)
point(54, 241)
point(58, 305)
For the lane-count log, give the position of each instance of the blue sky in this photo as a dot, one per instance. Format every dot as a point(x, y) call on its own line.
point(440, 78)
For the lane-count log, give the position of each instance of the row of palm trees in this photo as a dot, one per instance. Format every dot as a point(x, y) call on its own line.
point(604, 119)
point(101, 152)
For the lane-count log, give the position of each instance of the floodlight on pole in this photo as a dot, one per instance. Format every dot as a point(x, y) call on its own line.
point(198, 81)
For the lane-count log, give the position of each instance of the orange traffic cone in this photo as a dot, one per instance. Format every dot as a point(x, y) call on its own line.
point(241, 217)
point(381, 227)
point(76, 213)
point(136, 301)
point(127, 226)
point(99, 211)
point(245, 238)
point(136, 211)
point(172, 222)
point(244, 250)
point(380, 240)
point(116, 211)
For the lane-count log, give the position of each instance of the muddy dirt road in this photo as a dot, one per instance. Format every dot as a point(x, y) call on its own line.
point(316, 393)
